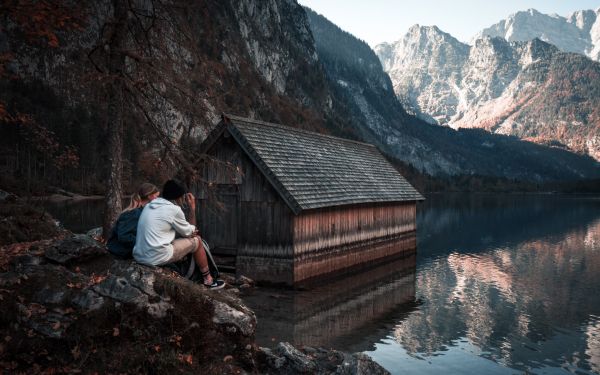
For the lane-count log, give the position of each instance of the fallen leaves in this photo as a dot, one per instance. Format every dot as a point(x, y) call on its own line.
point(176, 340)
point(93, 280)
point(21, 248)
point(186, 358)
point(96, 279)
point(31, 309)
point(76, 352)
point(74, 285)
point(36, 308)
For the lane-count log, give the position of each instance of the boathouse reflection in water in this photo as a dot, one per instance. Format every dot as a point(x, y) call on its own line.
point(350, 313)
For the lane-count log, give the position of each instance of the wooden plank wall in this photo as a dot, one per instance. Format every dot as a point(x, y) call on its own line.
point(261, 221)
point(338, 226)
point(352, 257)
point(331, 240)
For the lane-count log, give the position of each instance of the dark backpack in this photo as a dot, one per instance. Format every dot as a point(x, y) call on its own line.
point(122, 237)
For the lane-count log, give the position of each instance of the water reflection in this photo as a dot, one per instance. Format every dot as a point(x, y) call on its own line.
point(76, 216)
point(526, 301)
point(351, 313)
point(468, 223)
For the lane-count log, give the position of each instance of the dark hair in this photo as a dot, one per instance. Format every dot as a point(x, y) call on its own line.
point(173, 189)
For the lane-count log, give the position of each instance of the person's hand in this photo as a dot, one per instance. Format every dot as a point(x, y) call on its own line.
point(191, 200)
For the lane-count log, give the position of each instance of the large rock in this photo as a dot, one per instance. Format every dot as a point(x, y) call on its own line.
point(21, 222)
point(285, 359)
point(68, 306)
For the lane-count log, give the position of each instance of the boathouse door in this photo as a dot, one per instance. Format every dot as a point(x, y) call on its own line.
point(222, 218)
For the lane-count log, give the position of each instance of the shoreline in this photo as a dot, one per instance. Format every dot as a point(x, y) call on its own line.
point(60, 198)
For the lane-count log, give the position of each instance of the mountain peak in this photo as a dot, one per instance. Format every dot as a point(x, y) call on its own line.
point(579, 32)
point(427, 35)
point(506, 81)
point(416, 28)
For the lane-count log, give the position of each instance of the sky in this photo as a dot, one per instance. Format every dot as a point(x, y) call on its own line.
point(376, 21)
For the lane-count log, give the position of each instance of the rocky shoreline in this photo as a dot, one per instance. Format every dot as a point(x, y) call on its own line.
point(69, 307)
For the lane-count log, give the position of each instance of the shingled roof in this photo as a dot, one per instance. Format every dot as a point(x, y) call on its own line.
point(311, 170)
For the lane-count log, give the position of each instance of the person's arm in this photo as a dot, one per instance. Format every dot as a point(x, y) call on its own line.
point(182, 226)
point(191, 201)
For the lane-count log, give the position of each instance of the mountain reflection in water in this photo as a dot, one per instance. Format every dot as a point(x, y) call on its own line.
point(502, 283)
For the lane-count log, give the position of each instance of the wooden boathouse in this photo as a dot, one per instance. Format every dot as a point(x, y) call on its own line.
point(291, 205)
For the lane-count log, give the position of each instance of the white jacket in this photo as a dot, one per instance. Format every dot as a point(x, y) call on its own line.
point(156, 229)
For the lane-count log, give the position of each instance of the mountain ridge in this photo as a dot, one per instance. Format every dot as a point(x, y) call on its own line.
point(499, 86)
point(430, 148)
point(578, 32)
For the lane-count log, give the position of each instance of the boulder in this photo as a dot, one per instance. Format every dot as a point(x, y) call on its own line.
point(69, 306)
point(22, 222)
point(286, 359)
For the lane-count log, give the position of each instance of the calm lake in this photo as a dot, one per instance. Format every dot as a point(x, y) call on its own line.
point(501, 284)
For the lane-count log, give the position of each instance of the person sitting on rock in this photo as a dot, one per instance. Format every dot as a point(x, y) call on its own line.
point(123, 234)
point(160, 222)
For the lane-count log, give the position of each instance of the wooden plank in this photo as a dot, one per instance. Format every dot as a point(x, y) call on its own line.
point(343, 225)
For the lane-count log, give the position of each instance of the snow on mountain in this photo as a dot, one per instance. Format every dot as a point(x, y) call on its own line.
point(528, 89)
point(579, 32)
point(425, 59)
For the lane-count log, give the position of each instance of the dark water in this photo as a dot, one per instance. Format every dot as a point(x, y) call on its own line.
point(500, 285)
point(77, 216)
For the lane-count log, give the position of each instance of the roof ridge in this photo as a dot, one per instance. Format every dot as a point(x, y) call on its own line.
point(285, 127)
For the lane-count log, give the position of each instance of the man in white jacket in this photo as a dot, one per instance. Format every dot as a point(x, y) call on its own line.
point(159, 223)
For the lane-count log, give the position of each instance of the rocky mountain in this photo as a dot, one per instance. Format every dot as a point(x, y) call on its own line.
point(579, 32)
point(362, 91)
point(424, 58)
point(530, 89)
point(265, 60)
point(194, 62)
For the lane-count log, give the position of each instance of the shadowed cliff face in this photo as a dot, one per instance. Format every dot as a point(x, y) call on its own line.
point(248, 57)
point(185, 64)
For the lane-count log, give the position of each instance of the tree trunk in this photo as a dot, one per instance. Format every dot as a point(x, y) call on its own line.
point(115, 117)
